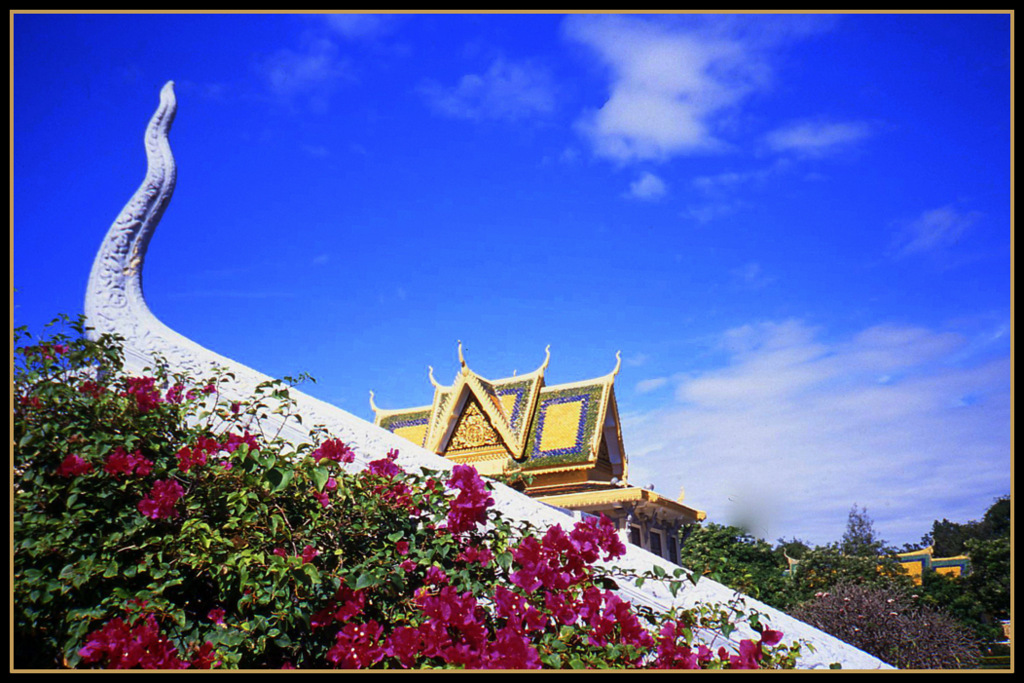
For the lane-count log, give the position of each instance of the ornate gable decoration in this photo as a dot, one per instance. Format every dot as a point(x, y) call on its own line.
point(537, 426)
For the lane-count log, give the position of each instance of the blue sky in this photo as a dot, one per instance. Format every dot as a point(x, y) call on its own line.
point(797, 229)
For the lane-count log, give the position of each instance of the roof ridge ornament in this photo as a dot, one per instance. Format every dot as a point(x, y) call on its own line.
point(433, 381)
point(114, 300)
point(373, 406)
point(618, 363)
point(462, 360)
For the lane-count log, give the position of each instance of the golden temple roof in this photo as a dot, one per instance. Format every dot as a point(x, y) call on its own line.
point(539, 426)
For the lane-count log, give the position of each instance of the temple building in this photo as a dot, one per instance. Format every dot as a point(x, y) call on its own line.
point(918, 562)
point(562, 444)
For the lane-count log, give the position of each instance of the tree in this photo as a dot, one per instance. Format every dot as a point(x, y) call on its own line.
point(860, 537)
point(729, 555)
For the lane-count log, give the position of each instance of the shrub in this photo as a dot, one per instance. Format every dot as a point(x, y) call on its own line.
point(887, 622)
point(156, 525)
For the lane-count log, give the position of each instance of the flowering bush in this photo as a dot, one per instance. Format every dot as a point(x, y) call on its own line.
point(891, 624)
point(157, 525)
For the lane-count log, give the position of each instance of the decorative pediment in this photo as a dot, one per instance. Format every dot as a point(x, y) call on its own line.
point(541, 428)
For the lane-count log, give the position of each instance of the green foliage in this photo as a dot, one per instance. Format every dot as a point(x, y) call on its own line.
point(977, 601)
point(823, 567)
point(158, 525)
point(728, 555)
point(950, 538)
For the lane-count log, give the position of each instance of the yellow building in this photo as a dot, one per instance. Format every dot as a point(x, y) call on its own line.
point(565, 439)
point(918, 562)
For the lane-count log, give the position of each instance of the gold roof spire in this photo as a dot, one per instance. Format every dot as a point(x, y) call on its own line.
point(618, 363)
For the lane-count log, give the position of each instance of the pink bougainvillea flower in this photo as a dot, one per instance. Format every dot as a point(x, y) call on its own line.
point(144, 390)
point(204, 657)
point(469, 507)
point(140, 645)
point(121, 462)
point(771, 638)
point(334, 450)
point(216, 615)
point(385, 467)
point(474, 554)
point(402, 547)
point(191, 457)
point(90, 388)
point(175, 394)
point(357, 646)
point(308, 553)
point(160, 502)
point(73, 466)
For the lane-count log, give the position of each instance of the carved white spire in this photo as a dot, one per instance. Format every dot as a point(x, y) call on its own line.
point(114, 300)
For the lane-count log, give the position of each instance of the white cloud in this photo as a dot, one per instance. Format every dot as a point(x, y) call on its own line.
point(508, 91)
point(794, 430)
point(932, 230)
point(817, 138)
point(648, 385)
point(667, 84)
point(310, 73)
point(648, 186)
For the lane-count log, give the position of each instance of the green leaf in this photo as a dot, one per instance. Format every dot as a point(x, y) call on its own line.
point(367, 580)
point(504, 560)
point(320, 476)
point(279, 478)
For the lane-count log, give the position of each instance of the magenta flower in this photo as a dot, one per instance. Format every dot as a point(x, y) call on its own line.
point(335, 450)
point(121, 462)
point(73, 466)
point(204, 657)
point(90, 388)
point(216, 616)
point(385, 467)
point(469, 507)
point(473, 554)
point(357, 646)
point(402, 547)
point(175, 394)
point(145, 392)
point(308, 553)
point(141, 645)
point(160, 502)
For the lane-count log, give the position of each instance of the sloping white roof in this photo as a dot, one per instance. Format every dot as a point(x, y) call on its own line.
point(115, 303)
